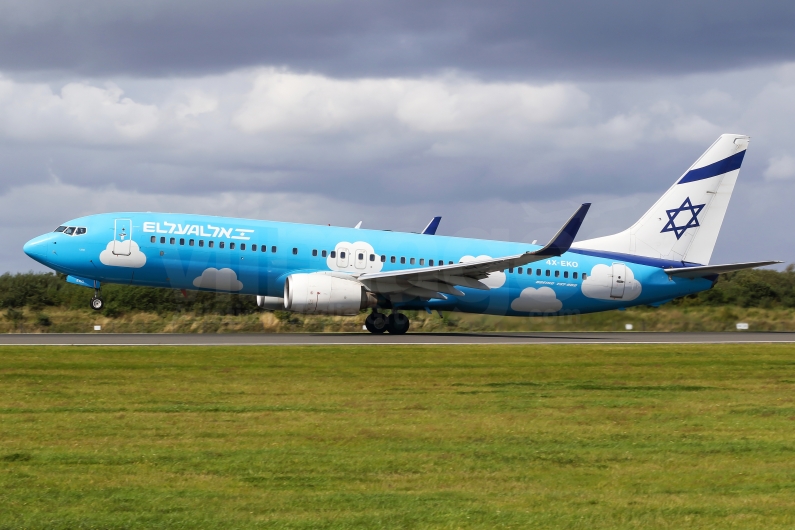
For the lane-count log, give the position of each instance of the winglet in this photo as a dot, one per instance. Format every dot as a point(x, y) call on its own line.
point(432, 226)
point(561, 242)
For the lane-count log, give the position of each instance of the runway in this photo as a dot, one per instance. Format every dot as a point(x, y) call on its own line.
point(309, 339)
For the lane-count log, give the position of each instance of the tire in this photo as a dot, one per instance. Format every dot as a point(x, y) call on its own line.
point(97, 304)
point(397, 323)
point(376, 323)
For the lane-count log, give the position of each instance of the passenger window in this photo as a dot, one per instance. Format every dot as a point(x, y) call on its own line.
point(402, 260)
point(422, 261)
point(264, 248)
point(538, 272)
point(360, 257)
point(519, 270)
point(430, 263)
point(69, 231)
point(182, 241)
point(324, 254)
point(574, 275)
point(392, 259)
point(584, 276)
point(314, 252)
point(81, 231)
point(153, 239)
point(201, 242)
point(372, 257)
point(510, 270)
point(449, 262)
point(172, 241)
point(333, 254)
point(295, 251)
point(383, 258)
point(191, 242)
point(162, 239)
point(342, 254)
point(253, 248)
point(411, 261)
point(565, 274)
point(557, 274)
point(211, 244)
point(220, 244)
point(242, 246)
point(232, 245)
point(273, 250)
point(547, 272)
point(60, 229)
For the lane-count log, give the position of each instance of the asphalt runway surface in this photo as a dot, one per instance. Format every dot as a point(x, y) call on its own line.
point(277, 339)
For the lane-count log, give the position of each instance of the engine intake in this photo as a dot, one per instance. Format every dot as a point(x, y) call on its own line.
point(322, 293)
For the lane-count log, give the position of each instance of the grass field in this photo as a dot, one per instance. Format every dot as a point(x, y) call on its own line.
point(398, 437)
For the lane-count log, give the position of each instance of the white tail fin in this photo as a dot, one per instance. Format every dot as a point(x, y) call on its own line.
point(684, 224)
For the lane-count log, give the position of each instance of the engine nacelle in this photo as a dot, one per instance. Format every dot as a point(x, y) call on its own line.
point(273, 303)
point(322, 293)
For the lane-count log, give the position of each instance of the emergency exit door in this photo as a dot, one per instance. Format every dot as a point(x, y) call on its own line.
point(619, 280)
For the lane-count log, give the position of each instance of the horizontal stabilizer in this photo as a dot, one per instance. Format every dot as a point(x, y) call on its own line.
point(707, 270)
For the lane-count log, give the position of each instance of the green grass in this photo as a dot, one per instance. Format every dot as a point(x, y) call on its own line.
point(552, 436)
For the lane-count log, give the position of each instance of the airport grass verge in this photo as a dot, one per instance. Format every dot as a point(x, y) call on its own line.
point(531, 436)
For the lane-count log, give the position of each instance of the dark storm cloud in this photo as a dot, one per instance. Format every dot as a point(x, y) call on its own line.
point(372, 38)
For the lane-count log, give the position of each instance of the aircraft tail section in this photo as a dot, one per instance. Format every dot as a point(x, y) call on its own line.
point(683, 225)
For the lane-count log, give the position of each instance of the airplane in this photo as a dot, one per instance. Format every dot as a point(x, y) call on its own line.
point(342, 271)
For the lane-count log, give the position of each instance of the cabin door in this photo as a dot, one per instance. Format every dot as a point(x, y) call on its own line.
point(122, 237)
point(619, 280)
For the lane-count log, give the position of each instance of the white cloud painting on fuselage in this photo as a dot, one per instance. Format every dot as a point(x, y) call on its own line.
point(218, 280)
point(136, 259)
point(541, 300)
point(354, 257)
point(599, 284)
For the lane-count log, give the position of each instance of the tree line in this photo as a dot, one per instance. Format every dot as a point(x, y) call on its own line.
point(37, 291)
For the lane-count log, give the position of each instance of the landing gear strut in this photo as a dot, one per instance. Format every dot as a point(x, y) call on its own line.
point(96, 302)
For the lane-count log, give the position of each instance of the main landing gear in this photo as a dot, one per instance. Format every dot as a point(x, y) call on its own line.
point(396, 323)
point(96, 302)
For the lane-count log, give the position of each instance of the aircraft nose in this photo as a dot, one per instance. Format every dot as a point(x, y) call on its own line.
point(36, 248)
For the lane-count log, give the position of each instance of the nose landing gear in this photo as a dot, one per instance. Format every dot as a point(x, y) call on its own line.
point(396, 323)
point(96, 302)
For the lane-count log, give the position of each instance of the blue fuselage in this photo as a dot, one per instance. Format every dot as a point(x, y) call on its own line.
point(255, 257)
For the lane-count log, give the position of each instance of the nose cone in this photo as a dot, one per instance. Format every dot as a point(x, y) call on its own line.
point(36, 248)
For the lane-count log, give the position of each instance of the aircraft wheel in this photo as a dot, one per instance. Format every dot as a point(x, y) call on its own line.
point(376, 322)
point(97, 304)
point(397, 323)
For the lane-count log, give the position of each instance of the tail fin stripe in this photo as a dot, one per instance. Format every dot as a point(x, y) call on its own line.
point(713, 170)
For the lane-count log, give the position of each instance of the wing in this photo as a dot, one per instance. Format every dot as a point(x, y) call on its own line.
point(706, 270)
point(435, 282)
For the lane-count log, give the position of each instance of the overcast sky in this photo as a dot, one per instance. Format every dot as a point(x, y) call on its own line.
point(499, 116)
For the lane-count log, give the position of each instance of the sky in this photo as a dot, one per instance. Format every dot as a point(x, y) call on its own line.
point(499, 116)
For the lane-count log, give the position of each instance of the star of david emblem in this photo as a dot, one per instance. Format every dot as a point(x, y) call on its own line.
point(687, 206)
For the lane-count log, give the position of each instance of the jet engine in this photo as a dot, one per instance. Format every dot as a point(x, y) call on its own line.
point(322, 293)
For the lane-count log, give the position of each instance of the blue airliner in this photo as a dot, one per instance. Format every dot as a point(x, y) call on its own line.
point(341, 271)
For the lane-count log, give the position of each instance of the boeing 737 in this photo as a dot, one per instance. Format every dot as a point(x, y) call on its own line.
point(341, 271)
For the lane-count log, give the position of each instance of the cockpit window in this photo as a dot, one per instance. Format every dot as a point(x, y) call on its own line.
point(69, 231)
point(60, 229)
point(80, 231)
